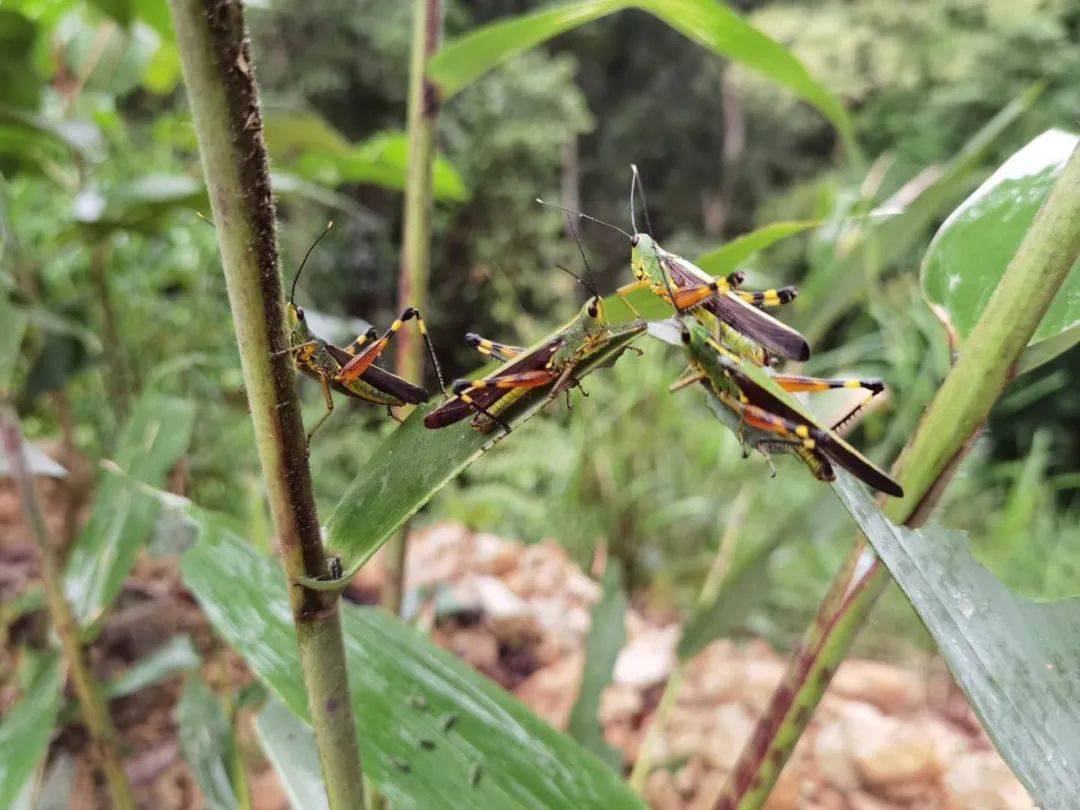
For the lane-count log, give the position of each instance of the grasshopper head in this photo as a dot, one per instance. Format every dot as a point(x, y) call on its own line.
point(643, 258)
point(592, 315)
point(296, 323)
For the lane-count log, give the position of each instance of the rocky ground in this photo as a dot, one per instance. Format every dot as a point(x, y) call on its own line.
point(885, 736)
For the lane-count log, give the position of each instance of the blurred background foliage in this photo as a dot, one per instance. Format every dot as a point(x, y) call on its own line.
point(100, 183)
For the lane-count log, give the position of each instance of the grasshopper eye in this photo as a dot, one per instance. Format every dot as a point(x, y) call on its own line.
point(299, 314)
point(634, 240)
point(685, 336)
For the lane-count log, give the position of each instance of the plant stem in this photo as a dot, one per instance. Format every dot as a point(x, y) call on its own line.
point(423, 116)
point(224, 100)
point(984, 367)
point(119, 383)
point(95, 709)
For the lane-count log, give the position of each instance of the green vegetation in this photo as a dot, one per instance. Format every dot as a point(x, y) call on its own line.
point(927, 207)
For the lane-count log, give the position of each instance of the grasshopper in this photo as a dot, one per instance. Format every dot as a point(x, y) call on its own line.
point(738, 314)
point(764, 421)
point(351, 370)
point(550, 361)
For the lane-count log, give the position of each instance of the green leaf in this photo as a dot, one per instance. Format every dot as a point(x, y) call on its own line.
point(724, 260)
point(141, 204)
point(312, 148)
point(402, 689)
point(27, 727)
point(465, 59)
point(1015, 659)
point(414, 463)
point(710, 24)
point(206, 742)
point(290, 747)
point(607, 635)
point(174, 657)
point(156, 435)
point(859, 253)
point(971, 250)
point(123, 11)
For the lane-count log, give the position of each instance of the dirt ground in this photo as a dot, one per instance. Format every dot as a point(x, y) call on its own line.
point(885, 736)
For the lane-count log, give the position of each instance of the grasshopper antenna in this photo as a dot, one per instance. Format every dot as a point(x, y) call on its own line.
point(585, 216)
point(319, 238)
point(635, 181)
point(205, 219)
point(589, 285)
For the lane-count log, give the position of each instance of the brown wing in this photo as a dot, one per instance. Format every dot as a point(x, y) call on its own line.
point(828, 442)
point(380, 379)
point(454, 409)
point(750, 321)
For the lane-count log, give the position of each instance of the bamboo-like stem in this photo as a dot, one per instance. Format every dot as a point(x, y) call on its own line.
point(985, 365)
point(423, 117)
point(224, 101)
point(94, 707)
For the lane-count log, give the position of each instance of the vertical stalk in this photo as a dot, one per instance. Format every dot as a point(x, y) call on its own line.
point(985, 365)
point(95, 709)
point(224, 100)
point(119, 384)
point(423, 116)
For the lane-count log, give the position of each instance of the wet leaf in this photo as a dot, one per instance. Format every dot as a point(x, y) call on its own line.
point(290, 747)
point(1016, 660)
point(402, 687)
point(971, 250)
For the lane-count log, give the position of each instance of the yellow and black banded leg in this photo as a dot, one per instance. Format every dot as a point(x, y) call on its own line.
point(815, 461)
point(795, 383)
point(507, 382)
point(329, 396)
point(766, 299)
point(361, 360)
point(767, 422)
point(492, 348)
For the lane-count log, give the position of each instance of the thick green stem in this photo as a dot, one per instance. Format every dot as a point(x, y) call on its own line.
point(95, 709)
point(423, 117)
point(985, 365)
point(228, 123)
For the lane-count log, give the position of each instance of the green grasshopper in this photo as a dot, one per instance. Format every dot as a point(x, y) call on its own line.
point(550, 361)
point(351, 370)
point(738, 314)
point(764, 421)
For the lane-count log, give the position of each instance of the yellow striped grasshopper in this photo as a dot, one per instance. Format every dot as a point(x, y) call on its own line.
point(764, 421)
point(550, 362)
point(351, 370)
point(736, 315)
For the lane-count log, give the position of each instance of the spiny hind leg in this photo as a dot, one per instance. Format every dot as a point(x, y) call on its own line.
point(525, 379)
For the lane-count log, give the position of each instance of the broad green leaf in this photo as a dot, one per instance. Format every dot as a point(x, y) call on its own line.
point(1016, 660)
point(726, 259)
point(290, 747)
point(414, 463)
point(206, 742)
point(312, 148)
point(141, 204)
point(709, 23)
point(971, 250)
point(858, 252)
point(402, 688)
point(607, 635)
point(27, 727)
point(156, 435)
